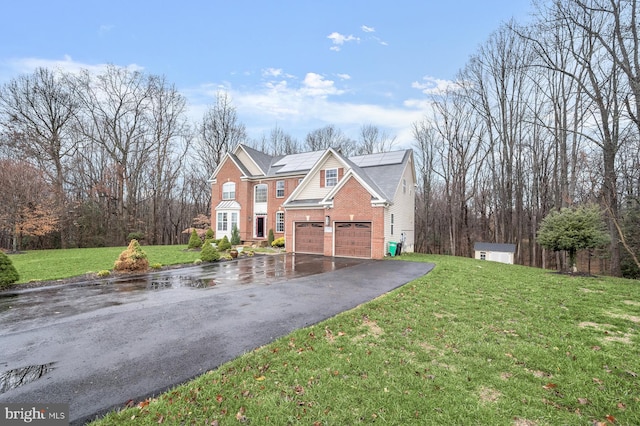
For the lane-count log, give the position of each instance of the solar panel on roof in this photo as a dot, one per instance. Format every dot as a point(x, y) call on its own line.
point(379, 159)
point(295, 162)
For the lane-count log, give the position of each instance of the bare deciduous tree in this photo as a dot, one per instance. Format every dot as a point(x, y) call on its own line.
point(37, 110)
point(329, 137)
point(373, 140)
point(219, 131)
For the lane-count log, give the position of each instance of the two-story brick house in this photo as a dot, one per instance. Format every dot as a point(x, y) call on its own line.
point(320, 202)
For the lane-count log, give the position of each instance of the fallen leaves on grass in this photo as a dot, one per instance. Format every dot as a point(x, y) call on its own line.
point(489, 395)
point(240, 415)
point(583, 401)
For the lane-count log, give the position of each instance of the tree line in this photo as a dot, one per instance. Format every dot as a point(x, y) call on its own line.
point(543, 116)
point(95, 159)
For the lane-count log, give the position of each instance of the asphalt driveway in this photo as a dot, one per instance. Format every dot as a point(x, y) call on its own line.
point(139, 341)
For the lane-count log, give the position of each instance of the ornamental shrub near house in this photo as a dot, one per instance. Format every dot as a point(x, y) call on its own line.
point(209, 253)
point(235, 235)
point(133, 259)
point(209, 235)
point(194, 241)
point(224, 244)
point(271, 237)
point(278, 242)
point(8, 273)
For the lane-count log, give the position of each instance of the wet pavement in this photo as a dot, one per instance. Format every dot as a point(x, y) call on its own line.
point(19, 306)
point(97, 345)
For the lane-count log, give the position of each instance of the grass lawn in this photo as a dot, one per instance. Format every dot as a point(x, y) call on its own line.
point(44, 265)
point(470, 343)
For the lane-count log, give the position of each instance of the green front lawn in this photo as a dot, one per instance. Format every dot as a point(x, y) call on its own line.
point(44, 265)
point(472, 342)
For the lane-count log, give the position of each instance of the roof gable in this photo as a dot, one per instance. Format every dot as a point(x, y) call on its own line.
point(377, 197)
point(229, 157)
point(258, 162)
point(314, 172)
point(351, 168)
point(388, 171)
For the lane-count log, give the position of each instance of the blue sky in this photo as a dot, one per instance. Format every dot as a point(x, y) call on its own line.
point(296, 64)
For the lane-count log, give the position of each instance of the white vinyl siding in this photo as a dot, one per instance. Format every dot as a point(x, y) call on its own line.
point(248, 163)
point(312, 189)
point(403, 213)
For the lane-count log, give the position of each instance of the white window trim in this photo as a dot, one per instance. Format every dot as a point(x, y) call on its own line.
point(266, 193)
point(228, 193)
point(392, 223)
point(222, 221)
point(334, 179)
point(278, 182)
point(279, 222)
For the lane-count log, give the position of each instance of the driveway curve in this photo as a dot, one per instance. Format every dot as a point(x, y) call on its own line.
point(100, 358)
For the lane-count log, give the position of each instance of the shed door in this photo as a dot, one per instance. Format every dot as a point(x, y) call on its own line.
point(353, 239)
point(309, 237)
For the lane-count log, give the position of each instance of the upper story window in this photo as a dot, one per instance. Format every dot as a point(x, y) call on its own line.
point(331, 177)
point(260, 193)
point(229, 191)
point(280, 188)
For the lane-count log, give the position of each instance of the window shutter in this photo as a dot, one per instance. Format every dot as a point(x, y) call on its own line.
point(321, 178)
point(340, 173)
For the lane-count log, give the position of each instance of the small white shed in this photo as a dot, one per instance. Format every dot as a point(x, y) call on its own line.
point(503, 253)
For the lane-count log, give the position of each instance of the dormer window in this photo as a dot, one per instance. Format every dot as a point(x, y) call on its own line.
point(229, 191)
point(331, 177)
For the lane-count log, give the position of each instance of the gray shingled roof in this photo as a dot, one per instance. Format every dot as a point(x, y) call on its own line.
point(383, 179)
point(365, 176)
point(388, 176)
point(505, 248)
point(261, 159)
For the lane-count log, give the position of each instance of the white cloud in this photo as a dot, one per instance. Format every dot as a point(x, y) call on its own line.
point(316, 85)
point(66, 64)
point(340, 39)
point(272, 72)
point(367, 29)
point(275, 72)
point(434, 86)
point(344, 76)
point(380, 41)
point(300, 106)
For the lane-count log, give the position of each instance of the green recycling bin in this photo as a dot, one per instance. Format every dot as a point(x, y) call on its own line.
point(392, 248)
